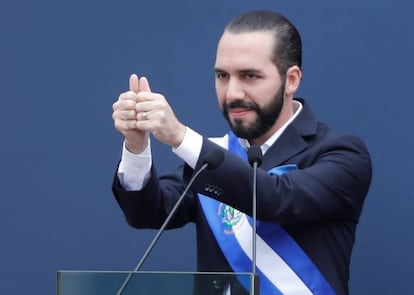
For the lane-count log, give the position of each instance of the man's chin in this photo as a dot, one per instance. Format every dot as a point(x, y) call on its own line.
point(240, 130)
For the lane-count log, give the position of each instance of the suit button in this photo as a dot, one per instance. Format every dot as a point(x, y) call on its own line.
point(217, 284)
point(208, 187)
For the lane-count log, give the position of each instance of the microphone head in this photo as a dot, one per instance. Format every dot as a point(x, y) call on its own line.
point(254, 154)
point(213, 158)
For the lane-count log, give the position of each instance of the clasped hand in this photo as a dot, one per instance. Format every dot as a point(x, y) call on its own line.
point(140, 111)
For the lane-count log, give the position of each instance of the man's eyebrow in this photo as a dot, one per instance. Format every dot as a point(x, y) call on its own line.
point(218, 70)
point(250, 71)
point(244, 71)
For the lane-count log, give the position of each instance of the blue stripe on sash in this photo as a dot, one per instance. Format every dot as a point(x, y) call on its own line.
point(274, 235)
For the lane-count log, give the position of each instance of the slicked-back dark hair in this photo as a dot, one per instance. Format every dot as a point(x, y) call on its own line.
point(287, 49)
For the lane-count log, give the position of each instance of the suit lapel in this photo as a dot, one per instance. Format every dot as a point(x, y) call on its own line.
point(293, 140)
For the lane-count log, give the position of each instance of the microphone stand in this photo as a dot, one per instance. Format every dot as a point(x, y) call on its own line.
point(255, 159)
point(254, 216)
point(212, 159)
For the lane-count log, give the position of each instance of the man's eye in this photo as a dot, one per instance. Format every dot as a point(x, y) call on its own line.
point(251, 76)
point(221, 75)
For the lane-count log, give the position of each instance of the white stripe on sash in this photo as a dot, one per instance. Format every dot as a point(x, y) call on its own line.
point(270, 264)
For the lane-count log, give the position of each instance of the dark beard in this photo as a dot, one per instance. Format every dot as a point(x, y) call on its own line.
point(266, 116)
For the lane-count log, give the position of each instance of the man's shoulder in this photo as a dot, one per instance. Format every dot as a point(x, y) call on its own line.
point(330, 134)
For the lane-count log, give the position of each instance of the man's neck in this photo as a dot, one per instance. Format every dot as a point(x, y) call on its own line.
point(287, 113)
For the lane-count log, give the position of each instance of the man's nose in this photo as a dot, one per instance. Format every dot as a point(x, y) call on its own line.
point(235, 90)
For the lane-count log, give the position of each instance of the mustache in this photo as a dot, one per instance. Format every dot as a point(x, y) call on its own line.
point(241, 104)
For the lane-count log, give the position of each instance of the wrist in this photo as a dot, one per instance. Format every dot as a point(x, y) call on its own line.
point(136, 148)
point(179, 136)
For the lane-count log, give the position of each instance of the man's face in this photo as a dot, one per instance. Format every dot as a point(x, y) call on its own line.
point(249, 88)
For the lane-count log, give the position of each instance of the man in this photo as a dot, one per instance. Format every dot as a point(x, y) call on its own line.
point(311, 185)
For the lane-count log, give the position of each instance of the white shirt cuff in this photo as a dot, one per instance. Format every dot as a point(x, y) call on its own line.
point(190, 148)
point(134, 170)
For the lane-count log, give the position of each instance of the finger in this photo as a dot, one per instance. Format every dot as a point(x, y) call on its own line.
point(145, 106)
point(124, 103)
point(134, 83)
point(144, 85)
point(122, 125)
point(155, 99)
point(126, 115)
point(143, 125)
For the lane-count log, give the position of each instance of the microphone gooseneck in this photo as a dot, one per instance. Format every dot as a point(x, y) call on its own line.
point(212, 160)
point(255, 157)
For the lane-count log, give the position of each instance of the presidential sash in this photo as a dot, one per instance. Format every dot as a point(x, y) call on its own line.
point(284, 268)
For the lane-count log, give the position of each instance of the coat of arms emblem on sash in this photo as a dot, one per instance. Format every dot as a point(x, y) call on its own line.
point(230, 218)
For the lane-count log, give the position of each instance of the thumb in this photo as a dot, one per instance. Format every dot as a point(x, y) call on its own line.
point(144, 85)
point(134, 83)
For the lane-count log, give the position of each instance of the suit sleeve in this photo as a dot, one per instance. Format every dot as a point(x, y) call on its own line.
point(149, 207)
point(331, 183)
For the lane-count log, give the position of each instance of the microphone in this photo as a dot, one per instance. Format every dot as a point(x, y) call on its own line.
point(212, 160)
point(255, 157)
point(254, 154)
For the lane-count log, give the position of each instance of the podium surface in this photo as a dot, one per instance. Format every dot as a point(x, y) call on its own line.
point(150, 283)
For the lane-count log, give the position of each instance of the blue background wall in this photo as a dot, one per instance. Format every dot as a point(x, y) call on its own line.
point(63, 64)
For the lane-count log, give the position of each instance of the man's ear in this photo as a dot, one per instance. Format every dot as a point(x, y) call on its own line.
point(293, 78)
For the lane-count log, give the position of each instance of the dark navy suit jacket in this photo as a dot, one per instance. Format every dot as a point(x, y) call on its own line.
point(318, 205)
